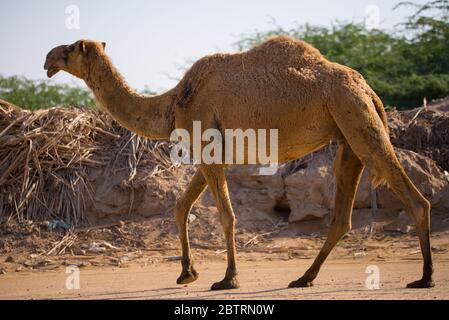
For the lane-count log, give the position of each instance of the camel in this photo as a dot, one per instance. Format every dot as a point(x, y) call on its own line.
point(282, 83)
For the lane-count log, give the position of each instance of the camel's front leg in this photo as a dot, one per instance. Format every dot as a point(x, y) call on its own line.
point(216, 180)
point(182, 210)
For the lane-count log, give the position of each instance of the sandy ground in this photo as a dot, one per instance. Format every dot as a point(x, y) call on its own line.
point(259, 279)
point(135, 263)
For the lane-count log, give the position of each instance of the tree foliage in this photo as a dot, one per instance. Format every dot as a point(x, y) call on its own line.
point(403, 66)
point(36, 94)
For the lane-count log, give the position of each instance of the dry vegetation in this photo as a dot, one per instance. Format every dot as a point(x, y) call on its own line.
point(46, 156)
point(425, 131)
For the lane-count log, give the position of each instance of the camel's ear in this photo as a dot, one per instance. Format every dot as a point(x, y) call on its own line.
point(104, 45)
point(82, 46)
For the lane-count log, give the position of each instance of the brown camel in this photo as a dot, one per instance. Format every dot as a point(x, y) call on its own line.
point(282, 84)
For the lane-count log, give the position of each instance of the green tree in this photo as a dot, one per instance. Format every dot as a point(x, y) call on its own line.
point(36, 94)
point(403, 67)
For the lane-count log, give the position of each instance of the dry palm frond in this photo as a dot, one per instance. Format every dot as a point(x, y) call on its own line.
point(45, 157)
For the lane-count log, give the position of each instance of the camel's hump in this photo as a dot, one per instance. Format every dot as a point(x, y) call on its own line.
point(277, 50)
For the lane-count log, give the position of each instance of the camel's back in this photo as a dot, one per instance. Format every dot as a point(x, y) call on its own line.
point(276, 53)
point(282, 50)
point(277, 62)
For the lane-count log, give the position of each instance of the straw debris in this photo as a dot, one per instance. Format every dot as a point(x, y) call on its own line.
point(46, 157)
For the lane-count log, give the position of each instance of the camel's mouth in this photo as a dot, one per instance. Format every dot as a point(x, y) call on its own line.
point(51, 71)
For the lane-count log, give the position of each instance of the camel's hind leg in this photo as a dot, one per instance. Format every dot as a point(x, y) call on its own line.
point(367, 137)
point(347, 169)
point(182, 209)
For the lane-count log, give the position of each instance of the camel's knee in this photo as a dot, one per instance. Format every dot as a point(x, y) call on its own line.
point(228, 221)
point(421, 212)
point(424, 205)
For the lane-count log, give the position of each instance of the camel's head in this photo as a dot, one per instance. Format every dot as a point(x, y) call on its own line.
point(72, 58)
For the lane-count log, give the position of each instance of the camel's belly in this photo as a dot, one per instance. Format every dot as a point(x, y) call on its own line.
point(301, 129)
point(298, 134)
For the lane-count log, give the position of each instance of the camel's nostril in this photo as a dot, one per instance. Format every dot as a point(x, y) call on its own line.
point(47, 65)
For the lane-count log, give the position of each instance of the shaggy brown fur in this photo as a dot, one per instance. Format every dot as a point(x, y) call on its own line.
point(282, 84)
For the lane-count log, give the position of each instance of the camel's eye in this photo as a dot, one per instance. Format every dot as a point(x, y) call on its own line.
point(70, 48)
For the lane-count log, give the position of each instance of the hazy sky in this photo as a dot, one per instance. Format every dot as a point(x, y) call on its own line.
point(149, 41)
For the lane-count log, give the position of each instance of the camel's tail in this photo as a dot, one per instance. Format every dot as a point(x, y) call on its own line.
point(380, 110)
point(375, 178)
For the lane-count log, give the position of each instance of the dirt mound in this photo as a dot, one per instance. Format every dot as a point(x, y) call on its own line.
point(307, 193)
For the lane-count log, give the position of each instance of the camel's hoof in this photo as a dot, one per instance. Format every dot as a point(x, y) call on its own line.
point(423, 283)
point(187, 276)
point(301, 283)
point(226, 284)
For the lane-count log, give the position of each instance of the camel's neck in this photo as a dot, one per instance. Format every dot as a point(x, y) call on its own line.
point(148, 116)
